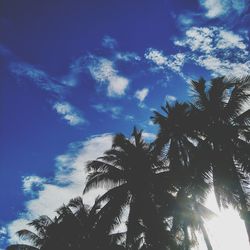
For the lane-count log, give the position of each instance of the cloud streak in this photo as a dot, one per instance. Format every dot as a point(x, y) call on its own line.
point(115, 111)
point(69, 113)
point(37, 76)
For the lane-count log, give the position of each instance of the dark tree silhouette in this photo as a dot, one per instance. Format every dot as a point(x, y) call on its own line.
point(207, 141)
point(178, 143)
point(129, 172)
point(222, 121)
point(73, 228)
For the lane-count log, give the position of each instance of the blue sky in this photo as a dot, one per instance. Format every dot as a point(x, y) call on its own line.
point(72, 73)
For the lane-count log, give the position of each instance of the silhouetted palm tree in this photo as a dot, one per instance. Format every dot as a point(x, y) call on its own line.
point(222, 119)
point(73, 228)
point(210, 137)
point(129, 172)
point(178, 142)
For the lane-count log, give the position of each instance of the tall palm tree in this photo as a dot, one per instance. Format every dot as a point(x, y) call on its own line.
point(129, 172)
point(210, 137)
point(222, 113)
point(179, 144)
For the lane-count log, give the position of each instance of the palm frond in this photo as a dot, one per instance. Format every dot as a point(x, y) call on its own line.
point(104, 180)
point(30, 236)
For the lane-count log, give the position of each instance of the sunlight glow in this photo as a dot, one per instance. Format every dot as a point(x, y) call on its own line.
point(226, 230)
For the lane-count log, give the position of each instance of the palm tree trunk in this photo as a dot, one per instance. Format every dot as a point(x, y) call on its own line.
point(206, 238)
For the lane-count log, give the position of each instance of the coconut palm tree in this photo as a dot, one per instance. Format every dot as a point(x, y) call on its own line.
point(72, 228)
point(41, 237)
point(222, 116)
point(179, 144)
point(210, 137)
point(129, 172)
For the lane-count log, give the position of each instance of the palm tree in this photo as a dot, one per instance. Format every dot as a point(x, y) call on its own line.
point(179, 144)
point(72, 228)
point(129, 172)
point(39, 238)
point(210, 137)
point(223, 119)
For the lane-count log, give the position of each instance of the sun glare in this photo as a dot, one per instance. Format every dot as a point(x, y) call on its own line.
point(226, 230)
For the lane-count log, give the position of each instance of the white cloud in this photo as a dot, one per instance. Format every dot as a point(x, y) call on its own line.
point(32, 182)
point(148, 136)
point(218, 8)
point(212, 39)
point(104, 72)
point(3, 230)
point(230, 40)
point(141, 94)
point(117, 85)
point(218, 50)
point(150, 123)
point(170, 98)
point(214, 8)
point(127, 56)
point(69, 113)
point(115, 111)
point(224, 67)
point(109, 42)
point(3, 234)
point(197, 38)
point(173, 62)
point(68, 183)
point(176, 62)
point(156, 56)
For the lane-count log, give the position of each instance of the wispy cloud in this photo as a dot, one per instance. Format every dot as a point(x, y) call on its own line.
point(69, 113)
point(115, 111)
point(127, 56)
point(32, 183)
point(68, 183)
point(3, 235)
point(218, 8)
point(214, 8)
point(109, 42)
point(148, 136)
point(37, 76)
point(104, 72)
point(129, 117)
point(185, 20)
point(210, 39)
point(222, 67)
point(141, 94)
point(217, 49)
point(173, 62)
